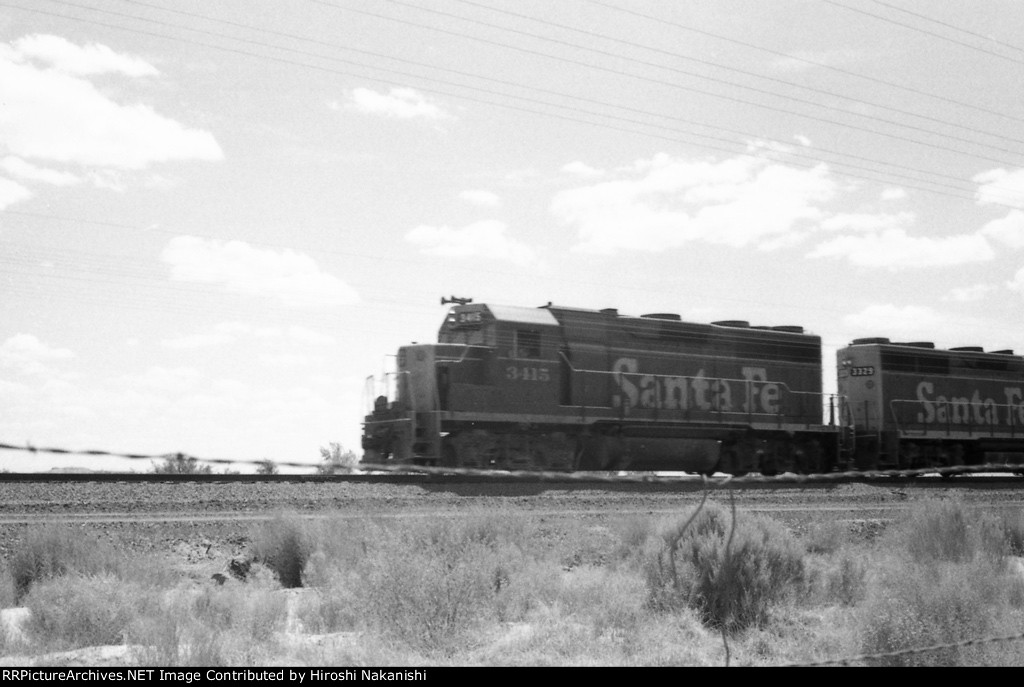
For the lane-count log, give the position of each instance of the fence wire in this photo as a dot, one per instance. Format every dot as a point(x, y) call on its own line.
point(538, 475)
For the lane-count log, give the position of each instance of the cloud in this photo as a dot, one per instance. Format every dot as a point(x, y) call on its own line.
point(17, 167)
point(26, 354)
point(485, 239)
point(481, 197)
point(893, 193)
point(894, 248)
point(1001, 187)
point(400, 103)
point(12, 192)
point(60, 117)
point(580, 169)
point(969, 294)
point(666, 202)
point(163, 380)
point(896, 322)
point(90, 59)
point(1009, 230)
point(231, 332)
point(1017, 283)
point(290, 277)
point(864, 222)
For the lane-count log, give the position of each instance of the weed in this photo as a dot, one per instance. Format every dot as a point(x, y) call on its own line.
point(8, 590)
point(947, 531)
point(826, 537)
point(945, 579)
point(1013, 529)
point(283, 545)
point(431, 586)
point(730, 577)
point(76, 610)
point(54, 550)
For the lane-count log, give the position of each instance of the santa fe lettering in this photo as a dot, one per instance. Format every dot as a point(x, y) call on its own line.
point(699, 392)
point(969, 410)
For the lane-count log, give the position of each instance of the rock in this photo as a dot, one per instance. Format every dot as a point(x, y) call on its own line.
point(239, 568)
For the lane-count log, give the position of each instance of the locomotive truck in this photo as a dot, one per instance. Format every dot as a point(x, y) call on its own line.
point(559, 388)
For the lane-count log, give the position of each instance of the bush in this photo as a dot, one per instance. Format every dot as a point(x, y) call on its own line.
point(8, 591)
point(233, 625)
point(55, 550)
point(78, 610)
point(433, 585)
point(915, 606)
point(826, 537)
point(283, 545)
point(730, 584)
point(1013, 529)
point(946, 581)
point(946, 531)
point(336, 459)
point(181, 464)
point(266, 467)
point(839, 578)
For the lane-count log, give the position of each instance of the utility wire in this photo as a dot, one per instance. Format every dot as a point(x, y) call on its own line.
point(924, 31)
point(804, 60)
point(500, 94)
point(948, 25)
point(717, 65)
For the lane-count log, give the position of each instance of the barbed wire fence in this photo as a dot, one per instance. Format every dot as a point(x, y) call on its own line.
point(709, 483)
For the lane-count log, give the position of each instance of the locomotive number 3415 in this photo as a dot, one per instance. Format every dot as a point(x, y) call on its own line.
point(527, 374)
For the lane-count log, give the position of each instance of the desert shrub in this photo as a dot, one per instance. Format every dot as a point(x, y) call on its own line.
point(1013, 531)
point(836, 578)
point(266, 467)
point(941, 530)
point(8, 591)
point(729, 577)
point(633, 532)
point(336, 459)
point(525, 585)
point(432, 584)
point(243, 612)
point(334, 609)
point(76, 610)
point(825, 537)
point(54, 550)
point(232, 625)
point(610, 602)
point(284, 545)
point(945, 579)
point(916, 605)
point(181, 464)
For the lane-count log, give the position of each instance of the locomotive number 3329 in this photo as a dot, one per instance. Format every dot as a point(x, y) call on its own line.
point(527, 374)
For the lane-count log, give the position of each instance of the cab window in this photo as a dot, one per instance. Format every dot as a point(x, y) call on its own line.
point(527, 343)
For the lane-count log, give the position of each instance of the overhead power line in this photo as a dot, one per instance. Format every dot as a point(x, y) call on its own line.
point(959, 29)
point(918, 29)
point(804, 60)
point(464, 96)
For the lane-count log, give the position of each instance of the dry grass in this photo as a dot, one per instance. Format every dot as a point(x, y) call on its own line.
point(489, 590)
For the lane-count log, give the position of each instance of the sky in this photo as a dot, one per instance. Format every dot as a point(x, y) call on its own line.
point(217, 219)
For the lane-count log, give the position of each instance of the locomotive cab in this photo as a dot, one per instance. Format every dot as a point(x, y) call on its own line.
point(488, 359)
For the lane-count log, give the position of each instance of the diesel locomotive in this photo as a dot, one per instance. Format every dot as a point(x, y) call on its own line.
point(559, 388)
